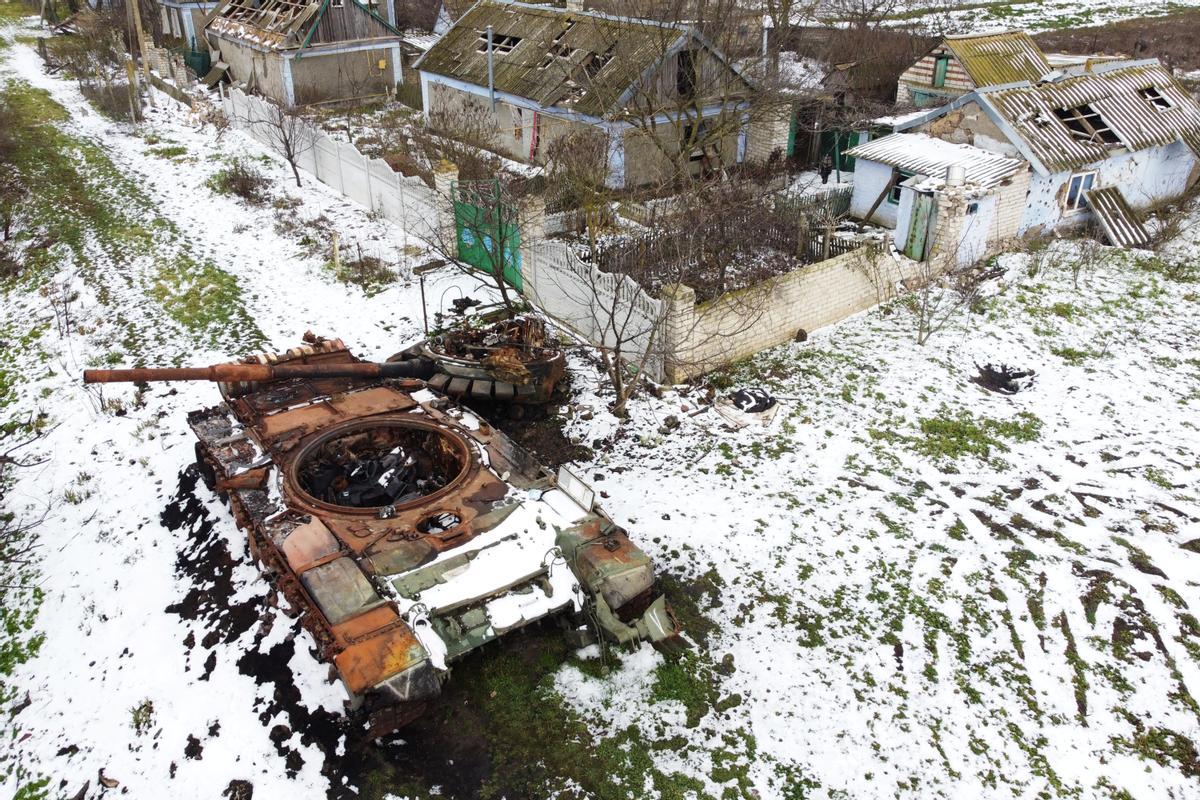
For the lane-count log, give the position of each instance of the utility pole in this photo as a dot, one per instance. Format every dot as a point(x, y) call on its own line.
point(130, 70)
point(141, 37)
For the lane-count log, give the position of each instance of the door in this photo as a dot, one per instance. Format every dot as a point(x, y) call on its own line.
point(940, 67)
point(486, 227)
point(920, 229)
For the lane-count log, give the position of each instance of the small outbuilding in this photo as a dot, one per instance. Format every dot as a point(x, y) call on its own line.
point(899, 181)
point(298, 52)
point(961, 64)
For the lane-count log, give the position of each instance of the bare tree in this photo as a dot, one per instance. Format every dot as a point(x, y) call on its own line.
point(16, 542)
point(483, 237)
point(287, 131)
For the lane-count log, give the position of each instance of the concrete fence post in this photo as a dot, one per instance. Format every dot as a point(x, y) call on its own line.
point(678, 330)
point(445, 175)
point(533, 231)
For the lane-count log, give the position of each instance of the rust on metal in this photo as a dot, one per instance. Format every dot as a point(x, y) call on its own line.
point(379, 506)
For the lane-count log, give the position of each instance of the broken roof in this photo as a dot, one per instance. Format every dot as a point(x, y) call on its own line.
point(1134, 105)
point(584, 61)
point(996, 58)
point(925, 155)
point(279, 24)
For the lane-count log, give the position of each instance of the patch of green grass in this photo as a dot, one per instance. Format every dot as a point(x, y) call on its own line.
point(689, 681)
point(1073, 355)
point(171, 151)
point(956, 434)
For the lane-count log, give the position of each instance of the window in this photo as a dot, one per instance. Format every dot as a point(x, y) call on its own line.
point(1156, 98)
point(502, 44)
point(900, 176)
point(1075, 201)
point(972, 208)
point(685, 75)
point(1085, 124)
point(518, 122)
point(336, 3)
point(941, 65)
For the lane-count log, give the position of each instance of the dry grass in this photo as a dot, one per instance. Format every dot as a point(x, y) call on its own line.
point(1173, 39)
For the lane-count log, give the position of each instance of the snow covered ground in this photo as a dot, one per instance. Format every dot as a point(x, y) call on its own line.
point(904, 585)
point(973, 16)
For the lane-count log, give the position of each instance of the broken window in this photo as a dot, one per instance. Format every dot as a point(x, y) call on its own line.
point(1080, 183)
point(556, 51)
point(336, 3)
point(502, 43)
point(1156, 97)
point(901, 176)
point(518, 123)
point(1086, 125)
point(685, 75)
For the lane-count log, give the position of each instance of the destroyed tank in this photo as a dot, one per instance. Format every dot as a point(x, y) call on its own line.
point(511, 361)
point(405, 530)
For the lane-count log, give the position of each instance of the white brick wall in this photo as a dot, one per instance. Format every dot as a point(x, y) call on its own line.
point(702, 337)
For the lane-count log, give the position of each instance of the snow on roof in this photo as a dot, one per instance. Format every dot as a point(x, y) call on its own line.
point(925, 155)
point(899, 119)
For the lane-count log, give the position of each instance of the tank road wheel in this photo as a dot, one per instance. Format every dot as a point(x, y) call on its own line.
point(207, 473)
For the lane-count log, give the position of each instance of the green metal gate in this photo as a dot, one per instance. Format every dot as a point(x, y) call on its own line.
point(487, 230)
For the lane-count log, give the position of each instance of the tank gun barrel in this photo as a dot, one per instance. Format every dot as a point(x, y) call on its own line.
point(236, 373)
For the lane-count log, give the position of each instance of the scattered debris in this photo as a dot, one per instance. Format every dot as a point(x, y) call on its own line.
point(107, 783)
point(753, 400)
point(1003, 378)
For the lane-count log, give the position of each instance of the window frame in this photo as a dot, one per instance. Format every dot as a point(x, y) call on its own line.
point(1080, 202)
point(1154, 96)
point(902, 175)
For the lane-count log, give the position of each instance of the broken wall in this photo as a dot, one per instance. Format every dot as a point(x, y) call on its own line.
point(246, 62)
point(700, 338)
point(970, 125)
point(1145, 178)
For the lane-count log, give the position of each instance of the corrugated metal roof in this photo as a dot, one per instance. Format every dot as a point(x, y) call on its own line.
point(1117, 92)
point(925, 155)
point(999, 58)
point(1119, 221)
point(550, 63)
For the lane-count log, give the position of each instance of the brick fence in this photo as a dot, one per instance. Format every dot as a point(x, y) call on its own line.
point(701, 337)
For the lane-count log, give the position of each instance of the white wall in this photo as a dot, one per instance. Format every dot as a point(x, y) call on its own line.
point(869, 179)
point(1145, 177)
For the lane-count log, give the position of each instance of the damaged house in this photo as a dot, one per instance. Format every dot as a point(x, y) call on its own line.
point(536, 73)
point(1097, 143)
point(298, 52)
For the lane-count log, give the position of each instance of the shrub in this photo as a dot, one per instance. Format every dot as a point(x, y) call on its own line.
point(241, 180)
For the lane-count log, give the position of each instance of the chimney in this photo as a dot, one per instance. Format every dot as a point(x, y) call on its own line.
point(956, 175)
point(575, 5)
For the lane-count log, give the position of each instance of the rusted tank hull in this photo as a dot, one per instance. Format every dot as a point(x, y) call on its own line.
point(379, 509)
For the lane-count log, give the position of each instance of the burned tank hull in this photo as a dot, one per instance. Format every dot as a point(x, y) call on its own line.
point(512, 361)
point(406, 532)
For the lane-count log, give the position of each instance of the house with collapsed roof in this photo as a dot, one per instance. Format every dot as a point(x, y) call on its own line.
point(1095, 142)
point(298, 52)
point(536, 73)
